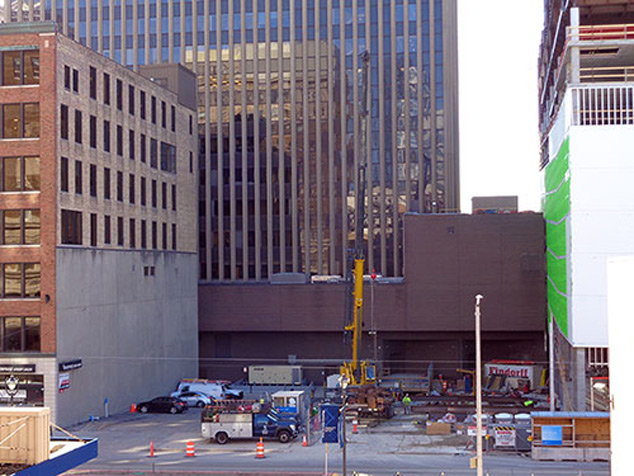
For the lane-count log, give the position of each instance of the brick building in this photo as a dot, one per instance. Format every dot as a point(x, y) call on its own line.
point(98, 250)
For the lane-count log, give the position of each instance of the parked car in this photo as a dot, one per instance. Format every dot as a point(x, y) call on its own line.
point(196, 399)
point(163, 405)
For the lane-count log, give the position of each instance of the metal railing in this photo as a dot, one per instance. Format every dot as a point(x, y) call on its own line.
point(602, 105)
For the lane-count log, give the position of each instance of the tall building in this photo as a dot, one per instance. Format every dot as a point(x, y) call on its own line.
point(282, 122)
point(586, 122)
point(98, 261)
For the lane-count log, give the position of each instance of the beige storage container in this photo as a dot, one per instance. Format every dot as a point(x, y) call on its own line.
point(24, 434)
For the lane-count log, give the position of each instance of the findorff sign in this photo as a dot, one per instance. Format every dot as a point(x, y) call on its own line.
point(515, 371)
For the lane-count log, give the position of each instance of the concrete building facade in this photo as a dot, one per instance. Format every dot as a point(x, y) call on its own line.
point(293, 72)
point(99, 251)
point(425, 318)
point(587, 130)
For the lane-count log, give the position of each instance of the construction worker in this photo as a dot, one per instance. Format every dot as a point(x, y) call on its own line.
point(407, 404)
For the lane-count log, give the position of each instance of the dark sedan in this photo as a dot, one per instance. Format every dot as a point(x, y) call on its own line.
point(163, 405)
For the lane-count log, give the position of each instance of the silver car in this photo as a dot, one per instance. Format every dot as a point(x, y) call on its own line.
point(196, 399)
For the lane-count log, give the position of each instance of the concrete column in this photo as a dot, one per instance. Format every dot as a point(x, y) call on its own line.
point(578, 375)
point(575, 62)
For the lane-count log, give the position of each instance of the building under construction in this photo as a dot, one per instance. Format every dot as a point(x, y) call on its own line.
point(585, 99)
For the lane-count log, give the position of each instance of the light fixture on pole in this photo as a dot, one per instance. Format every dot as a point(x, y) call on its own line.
point(478, 376)
point(11, 385)
point(373, 326)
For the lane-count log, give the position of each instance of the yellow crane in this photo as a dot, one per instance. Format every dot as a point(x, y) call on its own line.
point(358, 372)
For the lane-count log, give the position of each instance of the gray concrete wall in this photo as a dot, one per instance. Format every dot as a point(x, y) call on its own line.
point(136, 335)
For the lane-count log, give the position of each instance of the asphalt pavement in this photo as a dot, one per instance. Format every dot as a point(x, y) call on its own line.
point(398, 446)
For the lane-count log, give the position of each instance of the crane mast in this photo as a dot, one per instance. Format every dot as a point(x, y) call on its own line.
point(358, 372)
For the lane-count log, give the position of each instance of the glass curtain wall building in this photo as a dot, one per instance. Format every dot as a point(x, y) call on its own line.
point(282, 94)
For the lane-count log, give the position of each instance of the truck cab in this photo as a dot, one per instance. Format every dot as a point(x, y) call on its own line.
point(269, 425)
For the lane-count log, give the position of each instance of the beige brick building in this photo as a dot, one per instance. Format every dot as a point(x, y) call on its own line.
point(98, 250)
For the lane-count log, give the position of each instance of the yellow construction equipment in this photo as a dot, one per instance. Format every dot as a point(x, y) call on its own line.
point(356, 372)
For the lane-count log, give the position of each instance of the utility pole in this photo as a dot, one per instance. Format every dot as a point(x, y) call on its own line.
point(478, 376)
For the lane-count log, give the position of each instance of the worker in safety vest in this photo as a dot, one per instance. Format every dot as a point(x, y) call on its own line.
point(407, 404)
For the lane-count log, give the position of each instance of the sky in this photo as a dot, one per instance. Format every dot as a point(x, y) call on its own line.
point(498, 47)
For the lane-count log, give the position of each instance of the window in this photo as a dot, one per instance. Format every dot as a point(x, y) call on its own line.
point(23, 121)
point(154, 235)
point(173, 118)
point(143, 234)
point(64, 174)
point(92, 82)
point(63, 130)
point(120, 231)
point(106, 136)
point(93, 229)
point(93, 180)
point(154, 198)
point(132, 233)
point(143, 146)
point(67, 77)
point(20, 227)
point(191, 125)
point(120, 186)
point(153, 153)
point(106, 229)
point(106, 89)
point(174, 236)
point(75, 80)
point(119, 140)
point(191, 163)
point(173, 197)
point(106, 183)
point(163, 114)
point(131, 143)
point(20, 174)
point(164, 236)
point(143, 187)
point(78, 177)
point(143, 106)
point(20, 280)
point(153, 110)
point(131, 99)
point(164, 195)
point(131, 188)
point(119, 95)
point(20, 334)
point(93, 131)
point(78, 131)
point(168, 157)
point(21, 67)
point(71, 227)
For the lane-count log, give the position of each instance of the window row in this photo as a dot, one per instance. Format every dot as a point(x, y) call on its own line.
point(20, 227)
point(167, 192)
point(20, 334)
point(20, 280)
point(20, 121)
point(19, 174)
point(20, 67)
point(167, 151)
point(114, 231)
point(133, 105)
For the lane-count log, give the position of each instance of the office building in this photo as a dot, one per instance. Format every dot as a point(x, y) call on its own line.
point(279, 169)
point(586, 122)
point(98, 261)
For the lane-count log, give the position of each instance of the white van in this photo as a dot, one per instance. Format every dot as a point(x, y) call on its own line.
point(216, 389)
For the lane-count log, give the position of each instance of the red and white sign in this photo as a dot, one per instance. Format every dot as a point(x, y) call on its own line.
point(473, 431)
point(505, 438)
point(514, 371)
point(64, 382)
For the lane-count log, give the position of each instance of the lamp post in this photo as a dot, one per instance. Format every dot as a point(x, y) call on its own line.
point(478, 376)
point(11, 384)
point(373, 326)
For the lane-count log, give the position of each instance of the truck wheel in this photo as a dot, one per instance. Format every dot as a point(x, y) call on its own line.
point(284, 436)
point(222, 438)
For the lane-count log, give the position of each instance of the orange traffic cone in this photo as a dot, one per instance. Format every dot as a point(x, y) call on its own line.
point(304, 442)
point(191, 450)
point(133, 408)
point(151, 455)
point(259, 449)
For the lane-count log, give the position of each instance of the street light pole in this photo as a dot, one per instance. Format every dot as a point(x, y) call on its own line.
point(375, 345)
point(478, 375)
